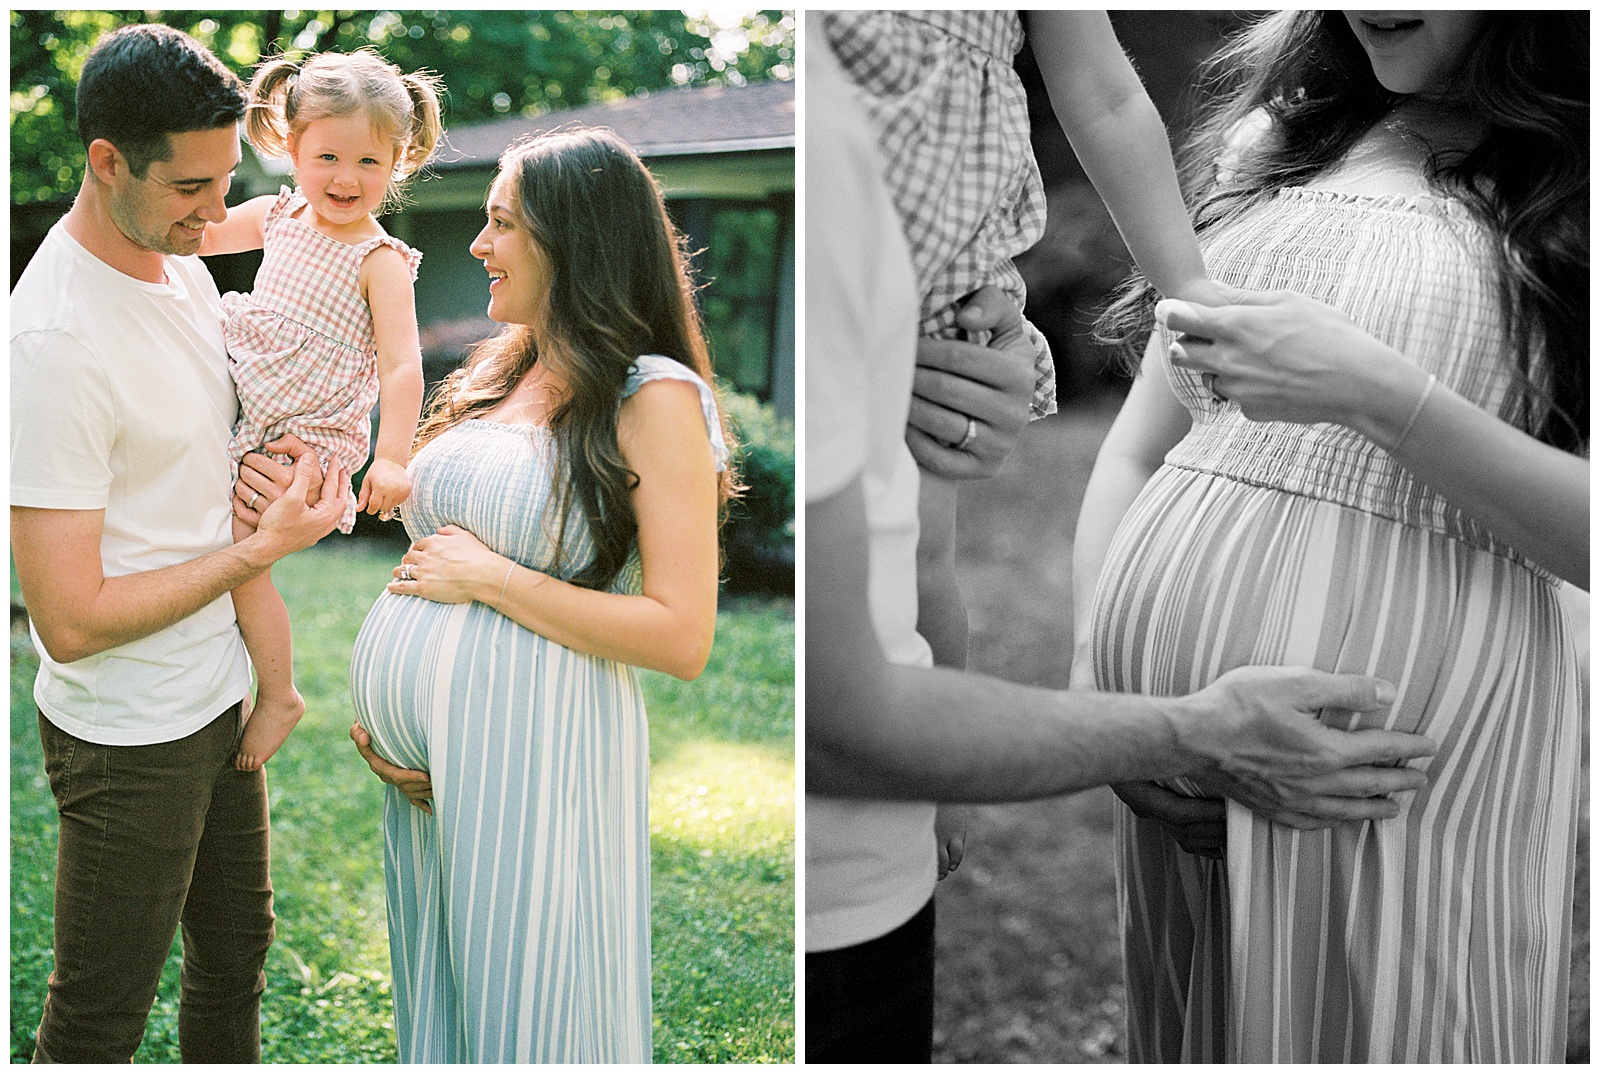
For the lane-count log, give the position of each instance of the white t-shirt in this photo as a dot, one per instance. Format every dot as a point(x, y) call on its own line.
point(869, 865)
point(121, 401)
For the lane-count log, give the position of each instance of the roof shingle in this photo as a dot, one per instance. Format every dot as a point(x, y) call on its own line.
point(675, 122)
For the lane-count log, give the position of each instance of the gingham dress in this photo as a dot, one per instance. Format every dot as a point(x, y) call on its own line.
point(951, 118)
point(519, 911)
point(1442, 935)
point(301, 344)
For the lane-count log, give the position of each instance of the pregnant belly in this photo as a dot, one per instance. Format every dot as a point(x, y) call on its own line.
point(427, 678)
point(1207, 574)
point(401, 672)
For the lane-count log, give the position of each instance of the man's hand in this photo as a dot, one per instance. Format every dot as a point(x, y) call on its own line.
point(262, 478)
point(1264, 747)
point(955, 381)
point(289, 524)
point(415, 785)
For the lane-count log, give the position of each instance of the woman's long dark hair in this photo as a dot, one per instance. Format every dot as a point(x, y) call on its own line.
point(620, 288)
point(1526, 78)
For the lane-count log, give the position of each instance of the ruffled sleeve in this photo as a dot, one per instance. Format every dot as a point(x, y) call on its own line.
point(288, 201)
point(1243, 139)
point(648, 367)
point(413, 257)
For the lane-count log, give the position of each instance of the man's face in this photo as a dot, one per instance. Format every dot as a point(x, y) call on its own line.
point(167, 210)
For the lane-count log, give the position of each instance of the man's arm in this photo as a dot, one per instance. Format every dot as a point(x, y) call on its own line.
point(877, 730)
point(79, 612)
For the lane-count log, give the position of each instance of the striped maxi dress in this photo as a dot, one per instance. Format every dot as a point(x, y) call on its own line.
point(519, 912)
point(1439, 936)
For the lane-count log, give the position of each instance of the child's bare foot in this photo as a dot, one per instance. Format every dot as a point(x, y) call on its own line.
point(267, 729)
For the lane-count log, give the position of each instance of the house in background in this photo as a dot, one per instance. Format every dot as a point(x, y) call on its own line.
point(725, 159)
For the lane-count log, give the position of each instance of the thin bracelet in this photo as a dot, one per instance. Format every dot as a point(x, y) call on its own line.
point(1415, 411)
point(501, 598)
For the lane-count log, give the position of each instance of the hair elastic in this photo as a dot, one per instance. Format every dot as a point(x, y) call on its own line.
point(498, 600)
point(1427, 390)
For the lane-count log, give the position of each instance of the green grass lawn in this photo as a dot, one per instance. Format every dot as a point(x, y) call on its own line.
point(722, 818)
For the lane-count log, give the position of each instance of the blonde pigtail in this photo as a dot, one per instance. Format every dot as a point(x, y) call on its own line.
point(427, 121)
point(269, 115)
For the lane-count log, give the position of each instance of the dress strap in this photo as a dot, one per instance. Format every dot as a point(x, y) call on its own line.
point(648, 367)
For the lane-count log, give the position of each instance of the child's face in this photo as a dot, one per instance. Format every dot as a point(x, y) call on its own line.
point(519, 270)
point(344, 166)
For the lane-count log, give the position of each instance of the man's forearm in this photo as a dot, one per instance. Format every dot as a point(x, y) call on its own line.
point(939, 735)
point(134, 606)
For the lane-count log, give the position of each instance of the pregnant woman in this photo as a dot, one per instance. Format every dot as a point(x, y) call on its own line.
point(1409, 514)
point(567, 485)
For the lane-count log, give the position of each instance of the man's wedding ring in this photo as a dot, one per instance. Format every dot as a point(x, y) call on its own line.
point(1210, 381)
point(254, 496)
point(405, 572)
point(966, 441)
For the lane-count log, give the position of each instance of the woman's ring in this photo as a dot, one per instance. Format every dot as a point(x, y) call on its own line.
point(1210, 381)
point(254, 496)
point(972, 434)
point(405, 572)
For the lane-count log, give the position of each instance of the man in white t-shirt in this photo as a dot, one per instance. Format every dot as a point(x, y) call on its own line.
point(886, 734)
point(121, 411)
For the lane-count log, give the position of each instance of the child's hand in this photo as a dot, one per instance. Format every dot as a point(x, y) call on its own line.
point(384, 488)
point(950, 835)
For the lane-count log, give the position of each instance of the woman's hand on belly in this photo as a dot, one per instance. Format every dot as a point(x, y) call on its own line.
point(451, 567)
point(1198, 825)
point(414, 784)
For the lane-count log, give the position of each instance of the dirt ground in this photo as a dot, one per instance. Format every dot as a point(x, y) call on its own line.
point(1029, 967)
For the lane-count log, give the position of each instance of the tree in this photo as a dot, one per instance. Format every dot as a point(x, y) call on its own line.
point(493, 62)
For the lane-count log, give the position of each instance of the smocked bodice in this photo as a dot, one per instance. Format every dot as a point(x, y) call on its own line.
point(1416, 272)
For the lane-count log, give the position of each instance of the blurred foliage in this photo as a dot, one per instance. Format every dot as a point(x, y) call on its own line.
point(493, 62)
point(758, 538)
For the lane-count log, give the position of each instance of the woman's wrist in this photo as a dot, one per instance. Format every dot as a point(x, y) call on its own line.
point(499, 593)
point(1387, 399)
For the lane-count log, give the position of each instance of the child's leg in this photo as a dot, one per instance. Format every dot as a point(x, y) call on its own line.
point(941, 610)
point(942, 620)
point(264, 622)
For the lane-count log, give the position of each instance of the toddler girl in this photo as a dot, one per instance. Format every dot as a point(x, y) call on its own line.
point(952, 123)
point(331, 325)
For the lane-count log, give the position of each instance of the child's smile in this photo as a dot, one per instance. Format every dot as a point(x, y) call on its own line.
point(344, 165)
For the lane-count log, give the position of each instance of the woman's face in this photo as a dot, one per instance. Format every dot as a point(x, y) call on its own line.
point(519, 271)
point(1416, 51)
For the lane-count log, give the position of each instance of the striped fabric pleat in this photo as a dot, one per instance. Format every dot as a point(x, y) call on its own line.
point(1439, 936)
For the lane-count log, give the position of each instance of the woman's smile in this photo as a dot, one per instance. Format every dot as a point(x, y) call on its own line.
point(1416, 52)
point(1382, 31)
point(519, 272)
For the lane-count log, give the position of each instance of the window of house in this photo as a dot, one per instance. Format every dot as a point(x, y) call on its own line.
point(738, 250)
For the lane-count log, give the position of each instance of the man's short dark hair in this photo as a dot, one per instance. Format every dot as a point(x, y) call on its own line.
point(144, 82)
